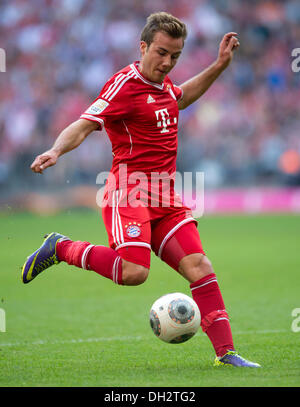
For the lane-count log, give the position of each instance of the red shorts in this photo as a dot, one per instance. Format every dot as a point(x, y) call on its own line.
point(135, 230)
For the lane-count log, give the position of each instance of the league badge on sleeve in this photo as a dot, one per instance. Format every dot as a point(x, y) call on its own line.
point(97, 107)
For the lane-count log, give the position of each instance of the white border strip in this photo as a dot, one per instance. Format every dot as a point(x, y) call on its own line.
point(118, 79)
point(115, 269)
point(156, 85)
point(117, 229)
point(127, 77)
point(92, 118)
point(143, 244)
point(84, 256)
point(220, 319)
point(118, 215)
point(172, 231)
point(207, 282)
point(113, 218)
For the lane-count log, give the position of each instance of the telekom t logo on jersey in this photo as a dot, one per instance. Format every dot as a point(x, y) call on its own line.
point(163, 119)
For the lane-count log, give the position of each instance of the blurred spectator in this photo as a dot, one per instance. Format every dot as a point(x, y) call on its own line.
point(61, 52)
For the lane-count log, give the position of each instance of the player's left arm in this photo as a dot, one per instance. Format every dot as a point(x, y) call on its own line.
point(198, 85)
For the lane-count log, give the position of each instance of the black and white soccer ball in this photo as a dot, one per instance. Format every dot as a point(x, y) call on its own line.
point(175, 318)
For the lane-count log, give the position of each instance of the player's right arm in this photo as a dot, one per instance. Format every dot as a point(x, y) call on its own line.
point(195, 87)
point(70, 138)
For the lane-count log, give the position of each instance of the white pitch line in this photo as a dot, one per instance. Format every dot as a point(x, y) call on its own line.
point(121, 338)
point(265, 331)
point(66, 341)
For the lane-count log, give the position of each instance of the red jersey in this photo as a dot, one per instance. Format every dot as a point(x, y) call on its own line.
point(140, 118)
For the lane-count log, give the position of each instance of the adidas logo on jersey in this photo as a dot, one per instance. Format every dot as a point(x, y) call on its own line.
point(150, 99)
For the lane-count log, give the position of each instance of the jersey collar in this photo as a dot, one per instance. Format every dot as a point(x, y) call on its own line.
point(134, 67)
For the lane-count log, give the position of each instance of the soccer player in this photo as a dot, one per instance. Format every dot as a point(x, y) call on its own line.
point(139, 108)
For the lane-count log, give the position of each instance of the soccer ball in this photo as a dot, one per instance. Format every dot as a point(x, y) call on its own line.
point(175, 318)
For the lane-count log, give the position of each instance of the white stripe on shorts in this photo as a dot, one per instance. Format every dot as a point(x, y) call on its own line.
point(143, 244)
point(117, 229)
point(119, 217)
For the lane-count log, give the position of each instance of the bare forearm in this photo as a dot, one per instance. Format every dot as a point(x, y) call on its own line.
point(195, 87)
point(70, 138)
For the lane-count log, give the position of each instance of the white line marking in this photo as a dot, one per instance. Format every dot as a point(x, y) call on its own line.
point(125, 338)
point(78, 340)
point(265, 331)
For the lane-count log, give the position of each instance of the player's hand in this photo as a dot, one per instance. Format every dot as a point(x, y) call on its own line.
point(227, 46)
point(44, 161)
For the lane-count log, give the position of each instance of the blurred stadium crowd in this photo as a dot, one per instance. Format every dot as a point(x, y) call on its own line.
point(59, 54)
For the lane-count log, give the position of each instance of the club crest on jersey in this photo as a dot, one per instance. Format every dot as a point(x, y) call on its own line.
point(150, 99)
point(97, 107)
point(133, 229)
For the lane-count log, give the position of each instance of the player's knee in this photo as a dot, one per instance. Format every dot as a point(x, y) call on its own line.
point(134, 274)
point(204, 266)
point(195, 266)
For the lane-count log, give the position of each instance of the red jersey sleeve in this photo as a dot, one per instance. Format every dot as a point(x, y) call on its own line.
point(175, 91)
point(112, 102)
point(178, 92)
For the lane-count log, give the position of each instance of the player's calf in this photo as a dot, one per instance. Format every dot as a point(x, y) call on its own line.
point(134, 274)
point(104, 261)
point(194, 267)
point(101, 259)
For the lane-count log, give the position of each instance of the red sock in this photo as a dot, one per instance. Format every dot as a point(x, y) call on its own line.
point(101, 259)
point(214, 318)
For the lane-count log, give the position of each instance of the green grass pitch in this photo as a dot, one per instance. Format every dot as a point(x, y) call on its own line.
point(71, 327)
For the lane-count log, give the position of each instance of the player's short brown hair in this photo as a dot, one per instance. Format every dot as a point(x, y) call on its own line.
point(165, 22)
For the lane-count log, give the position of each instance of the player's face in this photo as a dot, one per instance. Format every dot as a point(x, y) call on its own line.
point(160, 57)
